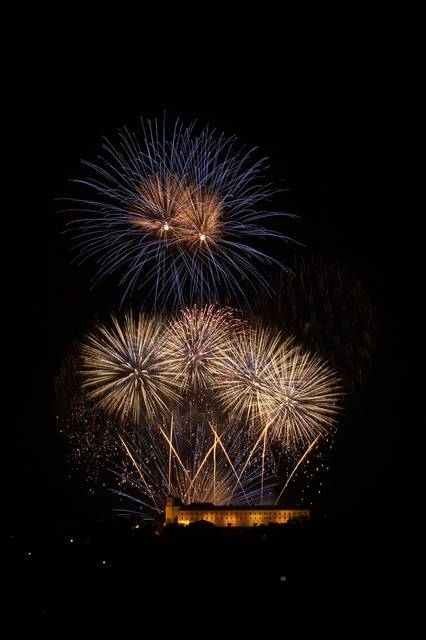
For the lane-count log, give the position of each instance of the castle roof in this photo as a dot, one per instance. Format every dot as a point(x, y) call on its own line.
point(207, 506)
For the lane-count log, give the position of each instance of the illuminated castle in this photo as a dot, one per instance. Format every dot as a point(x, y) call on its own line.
point(230, 515)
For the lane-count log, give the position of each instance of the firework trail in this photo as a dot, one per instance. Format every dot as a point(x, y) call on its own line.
point(328, 308)
point(299, 462)
point(177, 214)
point(91, 434)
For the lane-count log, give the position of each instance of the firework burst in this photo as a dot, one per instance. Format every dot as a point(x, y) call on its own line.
point(195, 343)
point(250, 397)
point(302, 402)
point(249, 366)
point(176, 213)
point(124, 368)
point(278, 388)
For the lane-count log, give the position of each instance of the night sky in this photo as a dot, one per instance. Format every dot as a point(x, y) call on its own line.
point(323, 124)
point(323, 134)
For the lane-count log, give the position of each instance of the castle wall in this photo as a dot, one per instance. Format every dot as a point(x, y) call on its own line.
point(241, 518)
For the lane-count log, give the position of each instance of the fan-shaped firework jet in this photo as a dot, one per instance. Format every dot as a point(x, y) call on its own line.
point(125, 370)
point(206, 463)
point(176, 214)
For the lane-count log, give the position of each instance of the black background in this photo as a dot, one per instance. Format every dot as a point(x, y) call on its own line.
point(323, 119)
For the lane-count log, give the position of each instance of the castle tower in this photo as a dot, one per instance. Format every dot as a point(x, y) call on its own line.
point(172, 510)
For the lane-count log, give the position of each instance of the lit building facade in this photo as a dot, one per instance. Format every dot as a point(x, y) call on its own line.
point(230, 516)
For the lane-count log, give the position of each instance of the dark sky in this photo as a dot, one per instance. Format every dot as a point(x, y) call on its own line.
point(323, 124)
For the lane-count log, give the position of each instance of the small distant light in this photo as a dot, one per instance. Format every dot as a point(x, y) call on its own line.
point(136, 526)
point(104, 562)
point(29, 553)
point(166, 227)
point(71, 540)
point(283, 578)
point(202, 237)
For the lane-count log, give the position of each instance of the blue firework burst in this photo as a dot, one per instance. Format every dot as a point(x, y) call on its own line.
point(176, 214)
